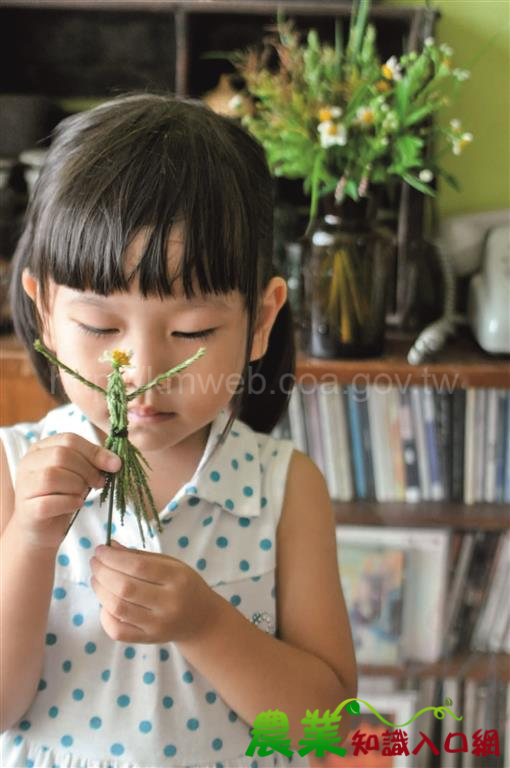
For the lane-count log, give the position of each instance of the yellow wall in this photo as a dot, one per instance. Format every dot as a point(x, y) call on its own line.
point(483, 105)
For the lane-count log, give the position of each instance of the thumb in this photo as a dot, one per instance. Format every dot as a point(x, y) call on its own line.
point(116, 544)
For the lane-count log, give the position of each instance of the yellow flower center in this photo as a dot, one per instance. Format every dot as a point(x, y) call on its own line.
point(382, 86)
point(332, 130)
point(368, 117)
point(387, 72)
point(121, 358)
point(324, 114)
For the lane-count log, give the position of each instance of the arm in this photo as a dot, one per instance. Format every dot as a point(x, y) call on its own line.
point(42, 349)
point(312, 664)
point(26, 582)
point(163, 376)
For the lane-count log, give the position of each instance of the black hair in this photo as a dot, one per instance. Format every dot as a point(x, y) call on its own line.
point(148, 160)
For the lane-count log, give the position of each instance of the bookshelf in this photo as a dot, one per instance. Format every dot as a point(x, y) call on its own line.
point(461, 363)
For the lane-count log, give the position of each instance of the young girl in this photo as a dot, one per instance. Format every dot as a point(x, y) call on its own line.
point(150, 230)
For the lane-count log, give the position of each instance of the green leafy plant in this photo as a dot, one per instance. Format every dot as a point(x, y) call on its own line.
point(342, 120)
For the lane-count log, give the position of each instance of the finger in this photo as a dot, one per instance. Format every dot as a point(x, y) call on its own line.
point(122, 631)
point(52, 457)
point(54, 506)
point(133, 591)
point(97, 456)
point(148, 567)
point(123, 610)
point(56, 481)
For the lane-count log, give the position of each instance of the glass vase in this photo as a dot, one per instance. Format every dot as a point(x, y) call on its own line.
point(347, 264)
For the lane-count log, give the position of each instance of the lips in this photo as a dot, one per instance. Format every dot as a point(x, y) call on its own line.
point(144, 411)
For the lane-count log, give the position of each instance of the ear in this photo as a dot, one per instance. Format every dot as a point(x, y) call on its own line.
point(31, 288)
point(274, 297)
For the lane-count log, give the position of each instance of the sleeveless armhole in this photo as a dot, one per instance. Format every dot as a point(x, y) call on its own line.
point(280, 470)
point(15, 447)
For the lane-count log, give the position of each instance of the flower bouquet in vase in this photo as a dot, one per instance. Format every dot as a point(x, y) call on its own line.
point(350, 126)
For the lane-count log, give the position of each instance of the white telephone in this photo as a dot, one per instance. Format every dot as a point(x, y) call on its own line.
point(489, 293)
point(480, 242)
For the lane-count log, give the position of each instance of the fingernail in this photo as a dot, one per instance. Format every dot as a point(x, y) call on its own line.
point(114, 462)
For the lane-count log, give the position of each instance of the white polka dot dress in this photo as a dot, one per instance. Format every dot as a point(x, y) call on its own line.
point(103, 703)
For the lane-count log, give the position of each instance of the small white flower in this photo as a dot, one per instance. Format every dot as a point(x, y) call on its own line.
point(455, 125)
point(446, 49)
point(392, 69)
point(327, 114)
point(332, 134)
point(429, 41)
point(426, 175)
point(462, 142)
point(117, 356)
point(461, 74)
point(365, 116)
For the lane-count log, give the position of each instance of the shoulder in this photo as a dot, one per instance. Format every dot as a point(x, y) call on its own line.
point(305, 490)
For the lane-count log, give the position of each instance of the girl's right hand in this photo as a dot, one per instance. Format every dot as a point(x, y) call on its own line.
point(53, 480)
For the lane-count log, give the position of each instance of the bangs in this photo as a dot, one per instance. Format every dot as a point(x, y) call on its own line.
point(113, 173)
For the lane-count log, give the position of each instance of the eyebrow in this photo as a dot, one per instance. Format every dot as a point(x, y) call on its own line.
point(182, 302)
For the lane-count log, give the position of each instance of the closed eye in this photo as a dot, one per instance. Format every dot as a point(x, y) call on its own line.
point(179, 334)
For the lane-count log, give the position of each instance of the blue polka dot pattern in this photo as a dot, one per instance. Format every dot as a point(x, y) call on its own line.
point(134, 703)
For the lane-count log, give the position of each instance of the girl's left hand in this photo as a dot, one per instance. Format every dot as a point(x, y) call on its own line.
point(150, 598)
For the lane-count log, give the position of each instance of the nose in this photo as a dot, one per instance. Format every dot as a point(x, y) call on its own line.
point(148, 363)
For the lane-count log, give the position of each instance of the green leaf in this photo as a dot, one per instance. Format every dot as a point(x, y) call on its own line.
point(417, 184)
point(448, 702)
point(353, 708)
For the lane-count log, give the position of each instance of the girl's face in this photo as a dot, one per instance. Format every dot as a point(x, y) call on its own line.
point(161, 333)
